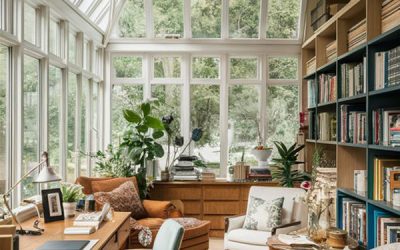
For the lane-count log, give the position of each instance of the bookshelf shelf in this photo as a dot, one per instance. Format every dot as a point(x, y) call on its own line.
point(350, 192)
point(311, 141)
point(385, 206)
point(385, 90)
point(354, 145)
point(309, 76)
point(353, 55)
point(384, 148)
point(327, 68)
point(326, 142)
point(353, 99)
point(327, 104)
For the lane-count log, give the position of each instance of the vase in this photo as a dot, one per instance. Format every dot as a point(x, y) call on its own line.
point(69, 209)
point(315, 232)
point(165, 175)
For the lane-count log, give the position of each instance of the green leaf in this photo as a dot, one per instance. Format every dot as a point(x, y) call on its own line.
point(131, 116)
point(158, 150)
point(145, 107)
point(153, 122)
point(158, 134)
point(142, 128)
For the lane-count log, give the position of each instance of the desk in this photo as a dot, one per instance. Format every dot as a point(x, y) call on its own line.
point(112, 235)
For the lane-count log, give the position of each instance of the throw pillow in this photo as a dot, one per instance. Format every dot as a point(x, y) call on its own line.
point(108, 185)
point(263, 215)
point(124, 198)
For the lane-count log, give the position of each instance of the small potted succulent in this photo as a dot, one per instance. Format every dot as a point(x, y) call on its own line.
point(71, 194)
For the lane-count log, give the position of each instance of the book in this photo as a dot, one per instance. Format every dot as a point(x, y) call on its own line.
point(353, 78)
point(93, 219)
point(79, 230)
point(354, 218)
point(353, 124)
point(327, 88)
point(387, 68)
point(327, 126)
point(393, 234)
point(380, 164)
point(384, 223)
point(360, 181)
point(312, 93)
point(296, 240)
point(64, 245)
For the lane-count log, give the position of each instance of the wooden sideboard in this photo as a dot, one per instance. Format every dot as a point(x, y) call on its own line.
point(212, 200)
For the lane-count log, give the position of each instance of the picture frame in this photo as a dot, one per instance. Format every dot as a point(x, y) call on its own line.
point(52, 205)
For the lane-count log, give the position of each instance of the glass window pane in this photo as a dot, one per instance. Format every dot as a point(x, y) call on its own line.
point(243, 68)
point(4, 81)
point(169, 96)
point(283, 19)
point(168, 18)
point(95, 118)
point(132, 20)
point(244, 18)
point(282, 114)
point(54, 36)
point(206, 18)
point(167, 67)
point(72, 48)
point(243, 120)
point(128, 66)
point(205, 67)
point(71, 153)
point(30, 24)
point(123, 97)
point(31, 123)
point(85, 54)
point(84, 128)
point(204, 113)
point(55, 98)
point(282, 67)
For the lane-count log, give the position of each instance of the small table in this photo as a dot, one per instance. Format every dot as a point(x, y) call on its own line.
point(112, 235)
point(275, 244)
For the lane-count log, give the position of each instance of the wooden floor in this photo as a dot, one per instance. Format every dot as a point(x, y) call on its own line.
point(216, 244)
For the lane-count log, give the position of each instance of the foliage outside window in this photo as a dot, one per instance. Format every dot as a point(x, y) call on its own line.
point(54, 37)
point(83, 147)
point(95, 118)
point(244, 18)
point(30, 24)
point(128, 66)
point(167, 67)
point(205, 67)
point(31, 125)
point(168, 18)
point(283, 19)
point(71, 144)
point(206, 18)
point(4, 80)
point(243, 68)
point(283, 68)
point(132, 20)
point(72, 48)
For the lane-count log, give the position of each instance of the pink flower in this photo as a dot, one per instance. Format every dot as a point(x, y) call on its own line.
point(306, 185)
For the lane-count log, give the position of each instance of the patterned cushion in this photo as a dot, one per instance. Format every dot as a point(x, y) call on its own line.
point(263, 215)
point(124, 198)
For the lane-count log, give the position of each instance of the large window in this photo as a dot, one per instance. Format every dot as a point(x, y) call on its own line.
point(84, 128)
point(55, 37)
point(168, 18)
point(167, 67)
point(244, 18)
point(127, 66)
point(4, 80)
point(283, 19)
point(72, 48)
point(205, 67)
point(30, 23)
point(283, 68)
point(30, 153)
point(206, 18)
point(71, 130)
point(132, 20)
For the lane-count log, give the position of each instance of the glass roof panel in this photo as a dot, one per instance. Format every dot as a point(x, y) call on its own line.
point(98, 11)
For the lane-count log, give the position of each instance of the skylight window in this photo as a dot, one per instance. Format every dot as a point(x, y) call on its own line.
point(132, 21)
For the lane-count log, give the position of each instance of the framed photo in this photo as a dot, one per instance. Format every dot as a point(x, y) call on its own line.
point(52, 205)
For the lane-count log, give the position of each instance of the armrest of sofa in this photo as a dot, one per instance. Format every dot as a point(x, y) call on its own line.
point(161, 209)
point(286, 228)
point(234, 222)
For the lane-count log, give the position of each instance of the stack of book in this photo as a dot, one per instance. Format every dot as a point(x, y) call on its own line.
point(311, 66)
point(207, 176)
point(327, 88)
point(353, 78)
point(386, 127)
point(259, 174)
point(327, 126)
point(384, 169)
point(354, 219)
point(387, 68)
point(311, 124)
point(241, 172)
point(360, 181)
point(184, 170)
point(390, 14)
point(357, 35)
point(387, 228)
point(312, 93)
point(331, 51)
point(353, 124)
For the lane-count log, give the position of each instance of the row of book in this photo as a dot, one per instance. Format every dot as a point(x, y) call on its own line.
point(360, 181)
point(387, 228)
point(311, 65)
point(386, 173)
point(357, 35)
point(327, 126)
point(312, 90)
point(353, 78)
point(327, 88)
point(354, 219)
point(331, 51)
point(390, 14)
point(353, 124)
point(387, 68)
point(386, 127)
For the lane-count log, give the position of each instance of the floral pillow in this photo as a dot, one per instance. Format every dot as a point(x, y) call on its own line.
point(263, 215)
point(124, 198)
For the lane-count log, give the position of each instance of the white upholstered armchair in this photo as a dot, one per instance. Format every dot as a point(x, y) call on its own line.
point(294, 217)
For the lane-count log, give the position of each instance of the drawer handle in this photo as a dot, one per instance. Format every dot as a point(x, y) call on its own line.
point(116, 237)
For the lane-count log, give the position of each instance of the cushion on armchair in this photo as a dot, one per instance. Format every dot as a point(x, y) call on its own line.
point(111, 184)
point(158, 209)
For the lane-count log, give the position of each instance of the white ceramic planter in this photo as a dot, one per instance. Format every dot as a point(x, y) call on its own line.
point(69, 209)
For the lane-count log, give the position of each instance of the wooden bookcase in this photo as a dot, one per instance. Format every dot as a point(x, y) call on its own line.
point(348, 156)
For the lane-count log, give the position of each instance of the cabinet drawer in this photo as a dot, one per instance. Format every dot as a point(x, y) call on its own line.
point(221, 193)
point(217, 221)
point(221, 207)
point(123, 234)
point(192, 207)
point(112, 243)
point(176, 193)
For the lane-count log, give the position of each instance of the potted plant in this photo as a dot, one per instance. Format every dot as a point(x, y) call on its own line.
point(283, 171)
point(71, 193)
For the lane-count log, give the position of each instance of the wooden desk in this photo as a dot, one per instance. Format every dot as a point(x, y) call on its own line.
point(209, 200)
point(112, 235)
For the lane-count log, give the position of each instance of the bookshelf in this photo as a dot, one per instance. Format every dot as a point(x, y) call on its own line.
point(351, 156)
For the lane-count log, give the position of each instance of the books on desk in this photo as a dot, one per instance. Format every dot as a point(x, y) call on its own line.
point(79, 230)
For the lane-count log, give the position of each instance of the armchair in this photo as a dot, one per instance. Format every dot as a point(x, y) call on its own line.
point(294, 217)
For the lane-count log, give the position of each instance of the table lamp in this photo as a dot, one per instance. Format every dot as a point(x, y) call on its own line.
point(45, 175)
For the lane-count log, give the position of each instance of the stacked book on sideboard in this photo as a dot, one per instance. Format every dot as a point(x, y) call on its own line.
point(387, 68)
point(390, 14)
point(353, 78)
point(327, 126)
point(354, 219)
point(386, 127)
point(386, 173)
point(331, 51)
point(387, 228)
point(353, 124)
point(357, 35)
point(327, 88)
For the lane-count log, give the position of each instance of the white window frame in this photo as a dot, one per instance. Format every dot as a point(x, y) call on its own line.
point(205, 80)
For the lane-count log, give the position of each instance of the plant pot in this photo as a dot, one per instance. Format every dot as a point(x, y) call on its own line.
point(164, 175)
point(69, 209)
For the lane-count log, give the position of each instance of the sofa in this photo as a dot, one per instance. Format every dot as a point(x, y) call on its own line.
point(196, 231)
point(294, 217)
